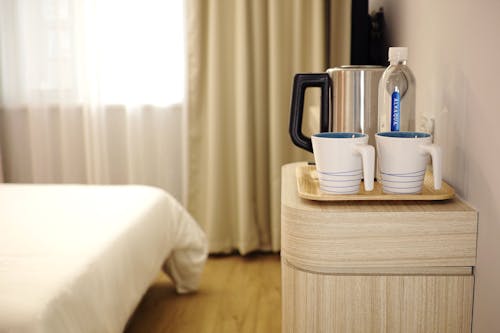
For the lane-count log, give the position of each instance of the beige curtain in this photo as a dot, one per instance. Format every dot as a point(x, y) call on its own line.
point(1, 168)
point(242, 56)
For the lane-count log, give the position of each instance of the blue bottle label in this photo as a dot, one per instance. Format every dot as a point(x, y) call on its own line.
point(395, 111)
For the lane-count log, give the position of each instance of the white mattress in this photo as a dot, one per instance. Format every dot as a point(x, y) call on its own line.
point(78, 258)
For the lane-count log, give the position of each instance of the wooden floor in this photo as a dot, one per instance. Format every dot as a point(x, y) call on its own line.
point(237, 295)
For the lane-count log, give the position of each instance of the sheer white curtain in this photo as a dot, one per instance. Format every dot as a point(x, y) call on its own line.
point(91, 91)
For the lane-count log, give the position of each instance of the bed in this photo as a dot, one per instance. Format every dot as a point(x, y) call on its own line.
point(78, 258)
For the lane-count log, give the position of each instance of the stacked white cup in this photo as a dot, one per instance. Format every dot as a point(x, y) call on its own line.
point(342, 159)
point(403, 159)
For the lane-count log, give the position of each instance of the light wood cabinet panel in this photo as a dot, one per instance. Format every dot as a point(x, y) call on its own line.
point(376, 304)
point(379, 240)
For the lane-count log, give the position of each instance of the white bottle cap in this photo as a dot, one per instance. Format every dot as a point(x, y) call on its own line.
point(398, 53)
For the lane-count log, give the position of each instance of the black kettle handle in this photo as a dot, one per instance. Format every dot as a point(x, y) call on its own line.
point(300, 83)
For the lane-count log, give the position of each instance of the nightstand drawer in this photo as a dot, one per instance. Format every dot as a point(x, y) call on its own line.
point(401, 238)
point(376, 303)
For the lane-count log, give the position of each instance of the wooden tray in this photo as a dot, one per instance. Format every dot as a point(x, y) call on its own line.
point(308, 187)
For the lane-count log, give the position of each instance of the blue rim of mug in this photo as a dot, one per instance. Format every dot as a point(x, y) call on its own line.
point(407, 135)
point(339, 135)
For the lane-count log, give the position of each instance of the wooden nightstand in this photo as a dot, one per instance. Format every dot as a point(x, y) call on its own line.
point(381, 266)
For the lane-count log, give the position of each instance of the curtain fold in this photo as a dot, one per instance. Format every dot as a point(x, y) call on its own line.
point(117, 145)
point(1, 168)
point(242, 56)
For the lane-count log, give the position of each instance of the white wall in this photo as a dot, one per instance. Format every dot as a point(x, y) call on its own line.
point(454, 50)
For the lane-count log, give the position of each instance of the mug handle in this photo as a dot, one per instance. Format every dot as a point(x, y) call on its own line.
point(367, 153)
point(436, 155)
point(300, 83)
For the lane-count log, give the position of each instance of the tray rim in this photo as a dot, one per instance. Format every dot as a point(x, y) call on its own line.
point(446, 192)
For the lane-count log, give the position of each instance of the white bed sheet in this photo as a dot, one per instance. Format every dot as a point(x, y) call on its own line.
point(78, 258)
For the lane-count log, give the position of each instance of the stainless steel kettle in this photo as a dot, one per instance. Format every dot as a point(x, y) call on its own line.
point(349, 96)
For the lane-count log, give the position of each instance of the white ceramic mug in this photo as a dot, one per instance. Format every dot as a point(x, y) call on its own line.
point(403, 158)
point(342, 159)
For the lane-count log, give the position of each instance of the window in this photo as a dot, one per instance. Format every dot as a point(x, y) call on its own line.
point(110, 51)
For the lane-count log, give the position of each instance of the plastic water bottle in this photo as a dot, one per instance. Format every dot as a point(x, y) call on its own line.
point(396, 94)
